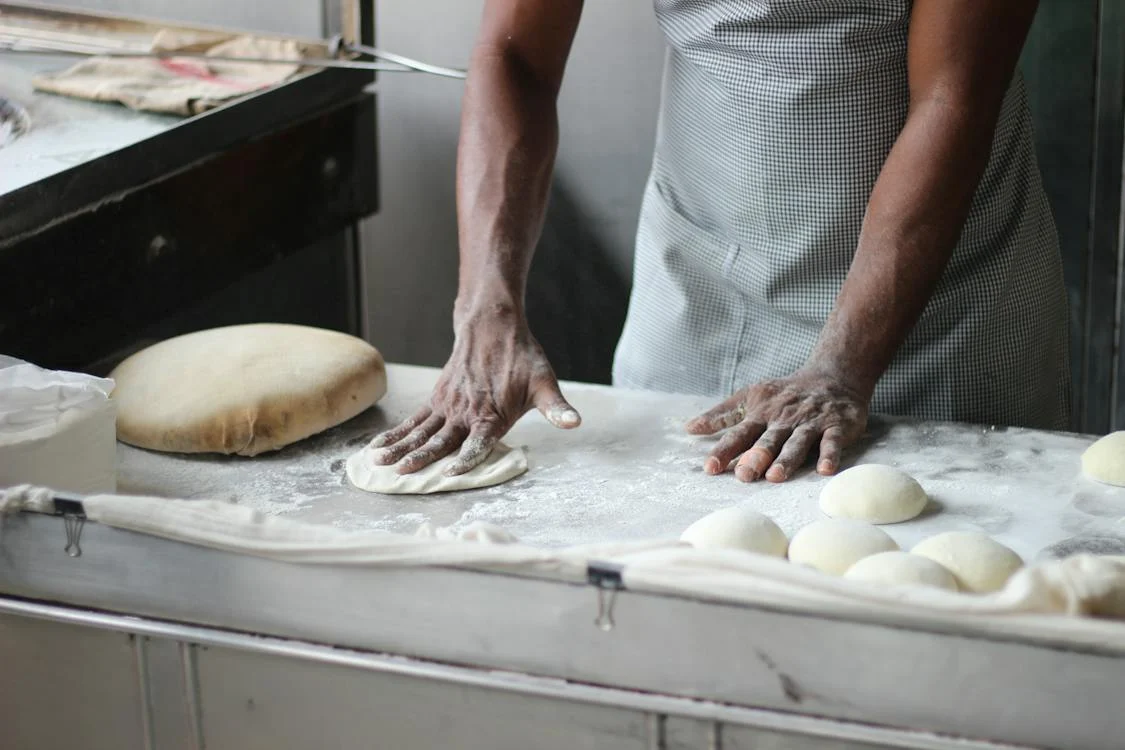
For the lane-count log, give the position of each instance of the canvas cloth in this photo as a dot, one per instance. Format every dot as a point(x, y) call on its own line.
point(179, 86)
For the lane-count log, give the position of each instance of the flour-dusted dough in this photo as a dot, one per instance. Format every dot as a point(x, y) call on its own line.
point(244, 389)
point(979, 563)
point(873, 493)
point(1104, 461)
point(898, 568)
point(833, 545)
point(737, 528)
point(502, 465)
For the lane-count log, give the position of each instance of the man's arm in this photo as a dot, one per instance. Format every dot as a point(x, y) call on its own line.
point(961, 55)
point(509, 136)
point(509, 133)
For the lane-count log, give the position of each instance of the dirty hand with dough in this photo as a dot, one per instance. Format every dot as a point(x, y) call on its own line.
point(497, 373)
point(509, 133)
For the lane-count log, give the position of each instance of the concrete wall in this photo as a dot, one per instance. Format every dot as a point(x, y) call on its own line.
point(580, 278)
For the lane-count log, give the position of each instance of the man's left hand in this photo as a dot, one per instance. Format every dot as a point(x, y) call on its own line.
point(774, 425)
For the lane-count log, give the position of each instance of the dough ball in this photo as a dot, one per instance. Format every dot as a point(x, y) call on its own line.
point(244, 389)
point(873, 493)
point(1104, 461)
point(833, 545)
point(897, 568)
point(737, 528)
point(979, 563)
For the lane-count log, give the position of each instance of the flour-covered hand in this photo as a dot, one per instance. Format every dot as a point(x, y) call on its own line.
point(496, 374)
point(773, 426)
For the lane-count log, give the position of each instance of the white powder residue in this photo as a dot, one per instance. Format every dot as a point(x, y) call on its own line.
point(631, 472)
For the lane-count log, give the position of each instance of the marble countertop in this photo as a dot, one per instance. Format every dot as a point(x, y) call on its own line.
point(631, 472)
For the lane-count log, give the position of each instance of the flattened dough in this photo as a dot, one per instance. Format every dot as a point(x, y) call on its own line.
point(502, 465)
point(244, 389)
point(1104, 461)
point(873, 493)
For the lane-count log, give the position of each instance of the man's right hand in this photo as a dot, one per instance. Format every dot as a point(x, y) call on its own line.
point(496, 374)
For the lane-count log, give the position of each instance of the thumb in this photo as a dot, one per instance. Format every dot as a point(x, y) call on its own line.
point(556, 409)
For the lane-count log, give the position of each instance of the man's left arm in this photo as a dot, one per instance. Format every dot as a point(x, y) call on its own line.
point(961, 56)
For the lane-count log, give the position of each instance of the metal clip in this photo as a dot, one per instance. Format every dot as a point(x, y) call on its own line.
point(74, 518)
point(606, 577)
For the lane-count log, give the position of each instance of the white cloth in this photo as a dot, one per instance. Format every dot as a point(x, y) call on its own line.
point(57, 428)
point(1080, 585)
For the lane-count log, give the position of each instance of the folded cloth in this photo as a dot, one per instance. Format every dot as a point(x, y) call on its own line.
point(181, 86)
point(1089, 590)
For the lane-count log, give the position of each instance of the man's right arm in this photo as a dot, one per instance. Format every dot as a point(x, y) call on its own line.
point(509, 136)
point(505, 157)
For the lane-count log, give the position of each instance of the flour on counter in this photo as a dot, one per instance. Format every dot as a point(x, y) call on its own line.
point(631, 472)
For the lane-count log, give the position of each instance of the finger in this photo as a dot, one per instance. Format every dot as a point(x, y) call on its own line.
point(399, 431)
point(793, 454)
point(831, 446)
point(555, 408)
point(731, 445)
point(416, 437)
point(476, 448)
point(754, 462)
point(727, 414)
point(436, 448)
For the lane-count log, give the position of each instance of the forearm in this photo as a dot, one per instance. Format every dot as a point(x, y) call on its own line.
point(914, 219)
point(506, 153)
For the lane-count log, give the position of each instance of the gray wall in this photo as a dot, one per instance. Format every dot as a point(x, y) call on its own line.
point(607, 119)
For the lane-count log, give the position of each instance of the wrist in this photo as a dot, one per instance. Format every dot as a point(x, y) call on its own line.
point(846, 370)
point(488, 307)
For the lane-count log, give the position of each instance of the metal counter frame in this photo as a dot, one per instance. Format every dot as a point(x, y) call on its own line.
point(409, 656)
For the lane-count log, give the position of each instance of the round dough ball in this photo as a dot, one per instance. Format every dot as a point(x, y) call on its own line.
point(244, 389)
point(979, 563)
point(899, 568)
point(737, 528)
point(873, 493)
point(1104, 461)
point(833, 545)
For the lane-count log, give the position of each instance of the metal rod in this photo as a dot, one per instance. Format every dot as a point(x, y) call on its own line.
point(311, 62)
point(409, 62)
point(668, 705)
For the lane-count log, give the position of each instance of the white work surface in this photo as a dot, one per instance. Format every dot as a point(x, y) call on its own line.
point(631, 472)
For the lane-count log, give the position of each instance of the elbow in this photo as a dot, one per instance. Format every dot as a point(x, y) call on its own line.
point(507, 59)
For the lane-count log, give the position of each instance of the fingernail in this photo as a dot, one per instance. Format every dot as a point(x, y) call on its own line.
point(712, 466)
point(824, 467)
point(379, 441)
point(776, 474)
point(381, 457)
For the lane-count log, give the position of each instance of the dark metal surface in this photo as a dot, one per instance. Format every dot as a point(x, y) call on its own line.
point(1073, 64)
point(244, 213)
point(84, 284)
point(1108, 224)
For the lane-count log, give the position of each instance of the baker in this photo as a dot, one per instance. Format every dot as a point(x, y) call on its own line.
point(844, 212)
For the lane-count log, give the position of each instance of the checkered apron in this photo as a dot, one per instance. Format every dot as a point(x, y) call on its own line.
point(776, 119)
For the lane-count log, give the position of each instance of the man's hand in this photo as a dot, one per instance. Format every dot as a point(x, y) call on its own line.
point(776, 424)
point(496, 374)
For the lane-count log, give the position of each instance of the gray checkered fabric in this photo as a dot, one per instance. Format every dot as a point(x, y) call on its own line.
point(777, 117)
